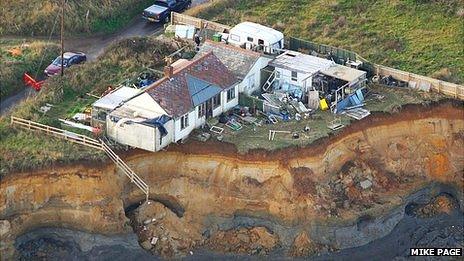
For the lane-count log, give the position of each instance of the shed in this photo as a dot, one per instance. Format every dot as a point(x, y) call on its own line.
point(347, 74)
point(109, 102)
point(297, 69)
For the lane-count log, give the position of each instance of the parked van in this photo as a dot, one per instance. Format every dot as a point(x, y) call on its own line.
point(257, 37)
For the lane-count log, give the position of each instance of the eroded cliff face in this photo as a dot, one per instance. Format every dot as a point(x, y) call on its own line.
point(301, 199)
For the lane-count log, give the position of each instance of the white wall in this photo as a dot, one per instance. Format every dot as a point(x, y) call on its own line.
point(134, 134)
point(139, 135)
point(145, 106)
point(181, 134)
point(254, 72)
point(286, 76)
point(227, 105)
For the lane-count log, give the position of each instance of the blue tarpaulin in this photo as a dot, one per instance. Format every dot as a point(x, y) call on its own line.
point(159, 123)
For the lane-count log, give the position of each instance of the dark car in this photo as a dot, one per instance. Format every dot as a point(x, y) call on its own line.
point(161, 10)
point(69, 58)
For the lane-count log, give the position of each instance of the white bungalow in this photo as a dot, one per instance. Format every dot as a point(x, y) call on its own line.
point(169, 109)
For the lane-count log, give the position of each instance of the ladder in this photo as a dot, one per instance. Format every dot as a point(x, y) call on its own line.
point(86, 141)
point(269, 81)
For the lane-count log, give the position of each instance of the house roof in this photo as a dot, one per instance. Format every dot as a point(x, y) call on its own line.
point(173, 94)
point(238, 60)
point(115, 98)
point(201, 91)
point(344, 73)
point(299, 62)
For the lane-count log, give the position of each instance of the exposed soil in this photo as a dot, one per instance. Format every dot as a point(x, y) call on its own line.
point(343, 192)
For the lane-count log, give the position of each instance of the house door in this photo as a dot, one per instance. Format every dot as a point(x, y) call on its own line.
point(209, 108)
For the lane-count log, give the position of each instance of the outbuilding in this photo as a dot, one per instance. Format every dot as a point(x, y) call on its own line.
point(257, 37)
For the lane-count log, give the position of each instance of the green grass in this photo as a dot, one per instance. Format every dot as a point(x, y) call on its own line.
point(37, 17)
point(424, 37)
point(12, 67)
point(22, 150)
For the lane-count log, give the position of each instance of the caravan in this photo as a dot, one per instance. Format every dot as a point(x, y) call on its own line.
point(256, 37)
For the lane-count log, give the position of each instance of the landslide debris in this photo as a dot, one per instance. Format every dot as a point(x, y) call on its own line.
point(162, 232)
point(252, 241)
point(442, 204)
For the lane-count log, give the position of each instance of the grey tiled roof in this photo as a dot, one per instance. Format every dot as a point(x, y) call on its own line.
point(173, 94)
point(238, 60)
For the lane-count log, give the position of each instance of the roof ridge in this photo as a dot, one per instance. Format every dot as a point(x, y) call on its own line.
point(246, 51)
point(179, 70)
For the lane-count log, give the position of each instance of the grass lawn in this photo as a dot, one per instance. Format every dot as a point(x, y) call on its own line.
point(17, 57)
point(37, 17)
point(22, 149)
point(424, 37)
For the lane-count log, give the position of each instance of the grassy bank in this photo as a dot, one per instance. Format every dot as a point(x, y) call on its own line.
point(21, 150)
point(425, 37)
point(37, 17)
point(19, 57)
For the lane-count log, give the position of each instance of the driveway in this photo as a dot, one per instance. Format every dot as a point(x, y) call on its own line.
point(93, 46)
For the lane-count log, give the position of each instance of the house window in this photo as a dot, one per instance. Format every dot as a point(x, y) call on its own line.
point(294, 76)
point(217, 101)
point(184, 121)
point(250, 39)
point(231, 93)
point(235, 38)
point(201, 110)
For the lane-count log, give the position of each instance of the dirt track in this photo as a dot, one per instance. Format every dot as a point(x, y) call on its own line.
point(93, 46)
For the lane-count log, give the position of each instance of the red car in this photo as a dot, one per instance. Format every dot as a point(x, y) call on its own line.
point(70, 58)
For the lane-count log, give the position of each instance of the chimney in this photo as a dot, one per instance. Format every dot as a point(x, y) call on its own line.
point(168, 71)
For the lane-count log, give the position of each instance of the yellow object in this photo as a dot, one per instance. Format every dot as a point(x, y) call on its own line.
point(324, 105)
point(15, 52)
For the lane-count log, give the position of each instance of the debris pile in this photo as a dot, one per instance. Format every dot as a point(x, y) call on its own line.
point(253, 241)
point(442, 204)
point(162, 232)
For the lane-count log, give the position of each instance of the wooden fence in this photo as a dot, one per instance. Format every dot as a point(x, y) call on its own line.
point(177, 18)
point(60, 133)
point(340, 56)
point(447, 88)
point(86, 141)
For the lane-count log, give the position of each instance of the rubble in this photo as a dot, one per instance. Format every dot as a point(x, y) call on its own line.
point(252, 241)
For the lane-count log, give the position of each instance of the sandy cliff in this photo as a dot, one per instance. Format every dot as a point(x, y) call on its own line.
point(340, 192)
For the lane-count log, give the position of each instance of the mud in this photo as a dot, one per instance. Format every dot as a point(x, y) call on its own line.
point(346, 192)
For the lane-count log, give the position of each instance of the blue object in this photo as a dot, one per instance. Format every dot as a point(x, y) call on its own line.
point(354, 100)
point(360, 95)
point(159, 123)
point(201, 91)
